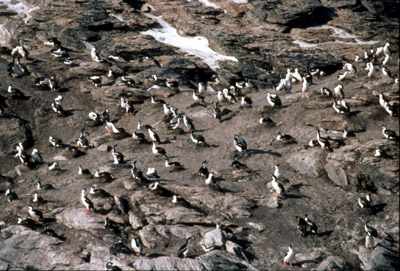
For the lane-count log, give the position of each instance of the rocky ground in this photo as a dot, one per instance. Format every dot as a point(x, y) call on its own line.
point(258, 227)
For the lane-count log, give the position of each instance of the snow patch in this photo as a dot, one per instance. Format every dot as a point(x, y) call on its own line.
point(197, 46)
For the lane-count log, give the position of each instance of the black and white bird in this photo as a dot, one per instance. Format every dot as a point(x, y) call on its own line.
point(342, 76)
point(35, 214)
point(158, 150)
point(239, 143)
point(389, 134)
point(136, 246)
point(135, 172)
point(278, 173)
point(117, 156)
point(159, 190)
point(138, 136)
point(122, 204)
point(53, 166)
point(323, 142)
point(19, 51)
point(386, 72)
point(82, 140)
point(311, 226)
point(16, 69)
point(188, 123)
point(369, 242)
point(211, 182)
point(302, 226)
point(36, 158)
point(217, 113)
point(152, 173)
point(46, 186)
point(10, 195)
point(198, 98)
point(111, 267)
point(370, 230)
point(55, 142)
point(184, 250)
point(198, 139)
point(285, 138)
point(338, 91)
point(203, 171)
point(277, 186)
point(86, 201)
point(58, 109)
point(38, 199)
point(229, 97)
point(274, 100)
point(326, 92)
point(15, 93)
point(341, 106)
point(350, 67)
point(238, 165)
point(382, 153)
point(365, 202)
point(246, 101)
point(153, 135)
point(103, 175)
point(371, 69)
point(173, 165)
point(95, 56)
point(84, 171)
point(289, 257)
point(98, 192)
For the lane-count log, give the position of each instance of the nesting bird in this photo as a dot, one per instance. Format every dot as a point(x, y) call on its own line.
point(239, 143)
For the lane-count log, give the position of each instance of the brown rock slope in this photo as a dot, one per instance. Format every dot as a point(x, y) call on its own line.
point(255, 228)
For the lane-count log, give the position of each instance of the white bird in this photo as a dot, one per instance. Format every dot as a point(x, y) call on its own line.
point(220, 96)
point(386, 60)
point(349, 67)
point(94, 55)
point(338, 90)
point(111, 128)
point(343, 76)
point(371, 69)
point(289, 257)
point(166, 109)
point(296, 75)
point(386, 49)
point(53, 166)
point(278, 172)
point(306, 85)
point(285, 85)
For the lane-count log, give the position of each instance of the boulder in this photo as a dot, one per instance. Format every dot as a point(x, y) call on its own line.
point(79, 219)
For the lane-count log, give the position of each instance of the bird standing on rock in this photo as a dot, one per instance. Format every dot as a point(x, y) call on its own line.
point(86, 201)
point(289, 257)
point(136, 246)
point(184, 250)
